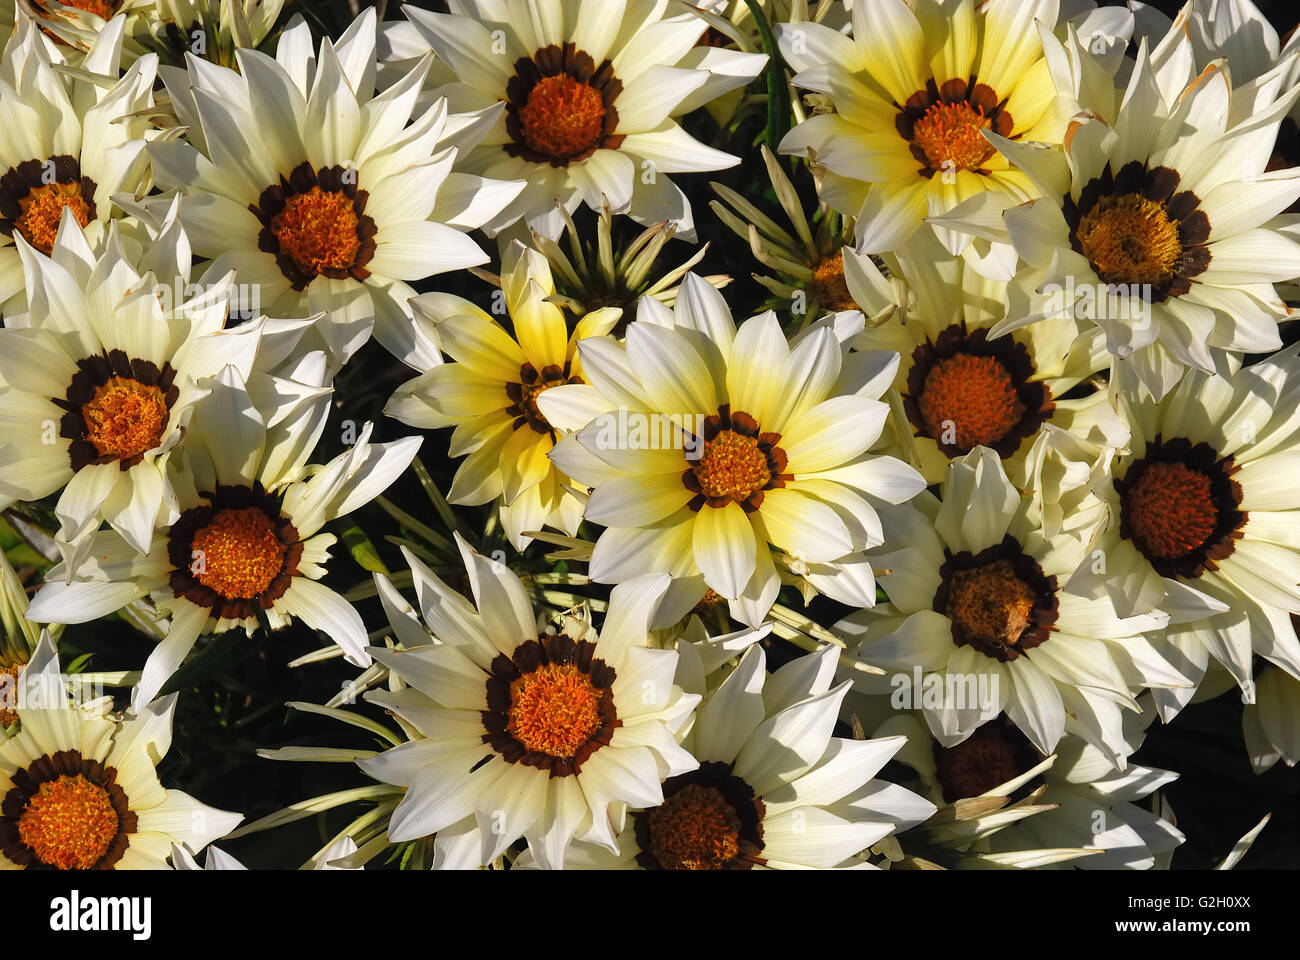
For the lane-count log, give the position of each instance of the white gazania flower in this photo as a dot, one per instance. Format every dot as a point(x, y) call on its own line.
point(545, 736)
point(1203, 521)
point(914, 90)
point(591, 90)
point(305, 182)
point(774, 789)
point(81, 793)
point(977, 617)
point(962, 388)
point(705, 444)
point(247, 546)
point(1154, 220)
point(98, 386)
point(1089, 805)
point(69, 144)
point(490, 395)
point(1271, 725)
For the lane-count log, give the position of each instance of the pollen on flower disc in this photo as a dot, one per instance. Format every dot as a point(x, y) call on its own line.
point(1130, 239)
point(829, 286)
point(563, 117)
point(694, 829)
point(554, 710)
point(949, 135)
point(1171, 509)
point(733, 466)
point(42, 210)
point(239, 553)
point(100, 8)
point(990, 602)
point(125, 418)
point(318, 230)
point(970, 401)
point(69, 823)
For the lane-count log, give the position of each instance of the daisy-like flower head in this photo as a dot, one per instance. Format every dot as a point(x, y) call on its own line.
point(914, 90)
point(544, 736)
point(335, 203)
point(976, 598)
point(490, 394)
point(962, 388)
point(246, 546)
point(99, 383)
point(1153, 222)
point(1086, 805)
point(1202, 521)
point(707, 447)
point(69, 144)
point(774, 789)
point(80, 793)
point(591, 90)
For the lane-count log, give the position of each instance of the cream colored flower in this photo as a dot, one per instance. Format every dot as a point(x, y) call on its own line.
point(978, 615)
point(325, 195)
point(546, 736)
point(247, 546)
point(69, 144)
point(706, 446)
point(592, 90)
point(81, 793)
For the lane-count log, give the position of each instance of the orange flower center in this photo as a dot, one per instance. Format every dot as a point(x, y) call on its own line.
point(554, 710)
point(694, 829)
point(949, 135)
point(99, 8)
point(968, 401)
point(125, 418)
point(69, 823)
point(1171, 509)
point(829, 286)
point(563, 117)
point(318, 230)
point(990, 602)
point(42, 209)
point(732, 465)
point(1130, 239)
point(238, 554)
point(527, 401)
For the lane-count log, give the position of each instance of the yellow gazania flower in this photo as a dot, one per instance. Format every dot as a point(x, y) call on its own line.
point(490, 395)
point(914, 91)
point(705, 443)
